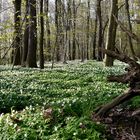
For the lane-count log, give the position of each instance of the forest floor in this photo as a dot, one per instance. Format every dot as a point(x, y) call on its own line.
point(122, 126)
point(58, 104)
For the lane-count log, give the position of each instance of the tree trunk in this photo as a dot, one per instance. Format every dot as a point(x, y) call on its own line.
point(100, 37)
point(57, 21)
point(69, 6)
point(41, 35)
point(94, 39)
point(17, 41)
point(31, 57)
point(111, 36)
point(88, 30)
point(49, 49)
point(130, 28)
point(26, 36)
point(74, 32)
point(66, 29)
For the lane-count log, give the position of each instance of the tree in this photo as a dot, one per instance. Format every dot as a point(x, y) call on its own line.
point(74, 31)
point(48, 34)
point(17, 33)
point(111, 36)
point(26, 35)
point(31, 56)
point(57, 25)
point(88, 30)
point(130, 28)
point(69, 26)
point(100, 37)
point(65, 31)
point(41, 35)
point(95, 38)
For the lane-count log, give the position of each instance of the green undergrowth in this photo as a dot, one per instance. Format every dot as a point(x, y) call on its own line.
point(71, 92)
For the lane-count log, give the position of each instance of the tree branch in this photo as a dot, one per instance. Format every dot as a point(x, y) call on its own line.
point(122, 57)
point(128, 32)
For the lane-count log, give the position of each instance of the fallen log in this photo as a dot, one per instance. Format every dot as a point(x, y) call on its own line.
point(118, 100)
point(131, 77)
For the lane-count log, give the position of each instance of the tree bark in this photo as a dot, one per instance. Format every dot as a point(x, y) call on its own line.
point(118, 100)
point(130, 28)
point(132, 77)
point(74, 32)
point(95, 39)
point(41, 35)
point(111, 36)
point(31, 56)
point(88, 30)
point(26, 36)
point(100, 37)
point(57, 21)
point(48, 38)
point(69, 6)
point(17, 33)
